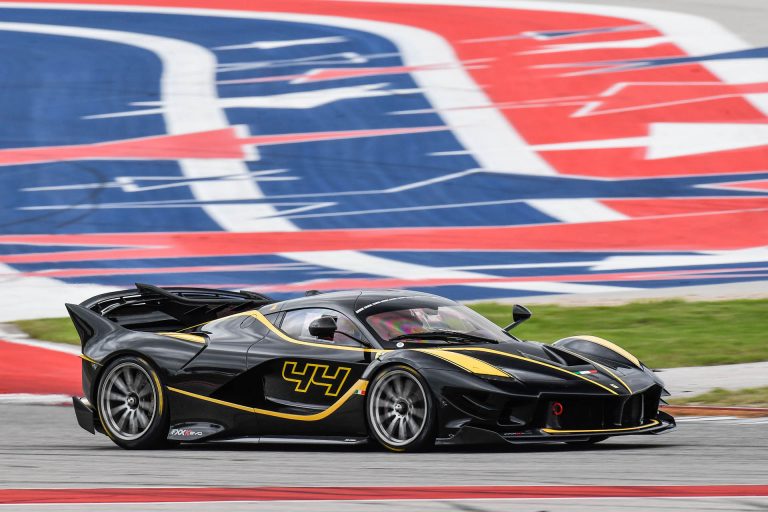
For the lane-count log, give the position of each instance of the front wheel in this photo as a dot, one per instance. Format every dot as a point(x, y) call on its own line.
point(130, 404)
point(400, 410)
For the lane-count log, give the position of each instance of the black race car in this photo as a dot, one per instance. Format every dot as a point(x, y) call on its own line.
point(169, 365)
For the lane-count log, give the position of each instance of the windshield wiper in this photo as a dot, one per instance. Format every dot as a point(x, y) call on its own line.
point(454, 336)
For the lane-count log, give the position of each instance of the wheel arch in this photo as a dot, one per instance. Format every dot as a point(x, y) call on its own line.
point(431, 400)
point(157, 428)
point(104, 364)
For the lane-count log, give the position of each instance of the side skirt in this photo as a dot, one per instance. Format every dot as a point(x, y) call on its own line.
point(320, 440)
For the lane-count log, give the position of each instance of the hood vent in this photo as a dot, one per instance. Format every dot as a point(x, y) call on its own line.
point(563, 357)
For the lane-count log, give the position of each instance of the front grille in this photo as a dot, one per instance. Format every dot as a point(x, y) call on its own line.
point(569, 412)
point(632, 411)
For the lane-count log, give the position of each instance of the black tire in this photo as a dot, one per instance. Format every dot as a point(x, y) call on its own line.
point(400, 410)
point(588, 442)
point(132, 406)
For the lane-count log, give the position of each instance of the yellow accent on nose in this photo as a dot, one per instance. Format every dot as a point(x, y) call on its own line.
point(611, 346)
point(468, 363)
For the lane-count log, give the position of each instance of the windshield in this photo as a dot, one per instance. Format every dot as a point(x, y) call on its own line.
point(407, 316)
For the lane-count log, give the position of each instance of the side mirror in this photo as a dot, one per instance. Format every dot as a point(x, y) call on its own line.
point(519, 315)
point(323, 327)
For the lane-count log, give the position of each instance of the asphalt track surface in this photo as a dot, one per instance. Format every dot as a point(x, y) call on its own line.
point(43, 448)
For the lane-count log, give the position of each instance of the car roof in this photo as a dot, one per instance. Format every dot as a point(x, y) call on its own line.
point(346, 299)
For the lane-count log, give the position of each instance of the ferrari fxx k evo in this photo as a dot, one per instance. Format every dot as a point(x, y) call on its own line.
point(406, 369)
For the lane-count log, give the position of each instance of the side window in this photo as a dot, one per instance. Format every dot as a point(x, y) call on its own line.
point(274, 318)
point(232, 328)
point(251, 324)
point(296, 324)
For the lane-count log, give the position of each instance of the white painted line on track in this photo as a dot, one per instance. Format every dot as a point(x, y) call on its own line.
point(32, 399)
point(729, 420)
point(48, 345)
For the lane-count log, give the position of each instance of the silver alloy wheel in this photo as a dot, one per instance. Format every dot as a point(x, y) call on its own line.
point(127, 398)
point(397, 407)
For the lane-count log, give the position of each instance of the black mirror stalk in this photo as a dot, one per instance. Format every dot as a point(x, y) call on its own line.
point(519, 315)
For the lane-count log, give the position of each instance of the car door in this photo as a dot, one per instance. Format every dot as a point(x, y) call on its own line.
point(223, 360)
point(303, 374)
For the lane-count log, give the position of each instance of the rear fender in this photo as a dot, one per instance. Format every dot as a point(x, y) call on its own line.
point(91, 326)
point(103, 340)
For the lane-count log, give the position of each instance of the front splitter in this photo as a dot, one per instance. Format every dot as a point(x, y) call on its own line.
point(476, 435)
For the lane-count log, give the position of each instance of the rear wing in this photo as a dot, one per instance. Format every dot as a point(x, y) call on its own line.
point(150, 308)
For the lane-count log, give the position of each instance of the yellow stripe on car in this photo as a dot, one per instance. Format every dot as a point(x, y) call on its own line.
point(86, 358)
point(610, 346)
point(594, 363)
point(608, 370)
point(469, 363)
point(533, 361)
point(361, 385)
point(465, 362)
point(653, 423)
point(183, 336)
point(159, 392)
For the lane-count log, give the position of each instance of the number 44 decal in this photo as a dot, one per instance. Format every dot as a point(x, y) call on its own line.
point(306, 375)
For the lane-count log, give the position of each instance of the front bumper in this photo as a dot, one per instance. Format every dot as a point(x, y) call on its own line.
point(476, 435)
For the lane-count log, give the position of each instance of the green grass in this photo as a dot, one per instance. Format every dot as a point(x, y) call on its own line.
point(661, 334)
point(752, 397)
point(50, 329)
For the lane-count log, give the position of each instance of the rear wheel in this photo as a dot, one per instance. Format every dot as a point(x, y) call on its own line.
point(131, 404)
point(400, 410)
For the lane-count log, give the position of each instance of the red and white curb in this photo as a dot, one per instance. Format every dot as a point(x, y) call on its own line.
point(37, 372)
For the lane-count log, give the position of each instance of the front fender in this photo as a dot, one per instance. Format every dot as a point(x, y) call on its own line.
point(593, 346)
point(611, 354)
